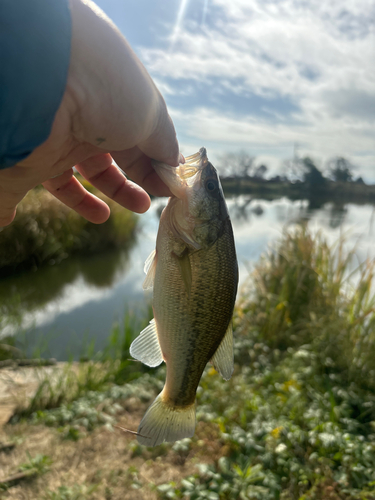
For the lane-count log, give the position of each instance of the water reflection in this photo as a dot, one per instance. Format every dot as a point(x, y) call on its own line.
point(241, 207)
point(80, 298)
point(103, 270)
point(35, 289)
point(244, 206)
point(338, 213)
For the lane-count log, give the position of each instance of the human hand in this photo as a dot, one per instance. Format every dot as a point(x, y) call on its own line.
point(111, 109)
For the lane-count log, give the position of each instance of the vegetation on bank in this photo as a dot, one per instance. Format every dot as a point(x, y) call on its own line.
point(340, 192)
point(302, 179)
point(47, 231)
point(295, 422)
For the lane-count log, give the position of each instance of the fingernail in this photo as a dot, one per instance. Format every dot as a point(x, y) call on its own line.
point(181, 158)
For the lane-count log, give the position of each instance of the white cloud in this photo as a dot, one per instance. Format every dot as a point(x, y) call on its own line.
point(320, 55)
point(320, 139)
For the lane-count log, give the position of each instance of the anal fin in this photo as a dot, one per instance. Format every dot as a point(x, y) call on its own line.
point(146, 347)
point(223, 359)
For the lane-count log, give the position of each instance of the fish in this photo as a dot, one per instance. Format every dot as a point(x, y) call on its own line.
point(194, 274)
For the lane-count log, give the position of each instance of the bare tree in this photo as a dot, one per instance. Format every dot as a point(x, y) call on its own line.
point(239, 164)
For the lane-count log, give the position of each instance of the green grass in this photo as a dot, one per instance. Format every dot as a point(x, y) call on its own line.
point(46, 231)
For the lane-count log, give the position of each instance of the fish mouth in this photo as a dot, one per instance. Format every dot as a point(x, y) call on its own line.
point(193, 164)
point(199, 159)
point(184, 176)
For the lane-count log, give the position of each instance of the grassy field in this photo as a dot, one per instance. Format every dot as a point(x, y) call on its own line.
point(46, 231)
point(296, 421)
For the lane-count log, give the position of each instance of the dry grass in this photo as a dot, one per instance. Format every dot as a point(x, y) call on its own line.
point(109, 460)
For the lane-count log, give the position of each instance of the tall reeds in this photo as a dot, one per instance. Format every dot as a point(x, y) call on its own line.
point(306, 292)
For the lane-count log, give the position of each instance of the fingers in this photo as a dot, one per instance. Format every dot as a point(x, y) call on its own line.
point(6, 216)
point(8, 204)
point(105, 176)
point(70, 191)
point(138, 166)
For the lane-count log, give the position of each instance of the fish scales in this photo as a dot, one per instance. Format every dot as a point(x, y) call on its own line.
point(194, 274)
point(198, 322)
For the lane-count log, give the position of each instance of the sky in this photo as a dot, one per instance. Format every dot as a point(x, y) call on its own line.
point(273, 78)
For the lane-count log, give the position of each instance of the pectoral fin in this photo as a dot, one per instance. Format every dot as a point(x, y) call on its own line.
point(223, 359)
point(149, 269)
point(146, 347)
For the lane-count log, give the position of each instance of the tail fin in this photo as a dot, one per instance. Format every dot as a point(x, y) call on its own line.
point(164, 422)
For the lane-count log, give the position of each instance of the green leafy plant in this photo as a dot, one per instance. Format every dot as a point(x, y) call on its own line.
point(40, 463)
point(75, 492)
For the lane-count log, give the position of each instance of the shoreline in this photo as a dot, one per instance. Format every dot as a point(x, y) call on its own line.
point(343, 192)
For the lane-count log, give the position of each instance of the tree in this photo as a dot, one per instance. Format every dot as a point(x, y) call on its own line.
point(260, 171)
point(236, 164)
point(340, 169)
point(312, 175)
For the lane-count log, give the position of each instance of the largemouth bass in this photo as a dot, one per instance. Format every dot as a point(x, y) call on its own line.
point(194, 273)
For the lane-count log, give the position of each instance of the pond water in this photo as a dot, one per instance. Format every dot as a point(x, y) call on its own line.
point(60, 309)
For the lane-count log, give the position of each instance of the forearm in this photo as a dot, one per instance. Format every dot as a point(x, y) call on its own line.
point(35, 39)
point(69, 97)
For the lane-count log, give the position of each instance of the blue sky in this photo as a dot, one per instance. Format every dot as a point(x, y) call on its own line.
point(265, 76)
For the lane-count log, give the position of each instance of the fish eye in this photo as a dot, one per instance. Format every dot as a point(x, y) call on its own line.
point(211, 185)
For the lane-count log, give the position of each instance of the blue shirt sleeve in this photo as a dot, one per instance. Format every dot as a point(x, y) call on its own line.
point(35, 37)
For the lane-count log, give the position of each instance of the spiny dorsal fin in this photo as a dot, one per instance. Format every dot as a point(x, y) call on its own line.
point(149, 269)
point(223, 359)
point(146, 347)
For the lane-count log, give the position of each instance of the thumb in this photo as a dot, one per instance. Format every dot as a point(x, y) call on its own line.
point(162, 144)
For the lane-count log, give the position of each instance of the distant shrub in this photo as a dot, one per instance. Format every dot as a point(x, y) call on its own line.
point(45, 230)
